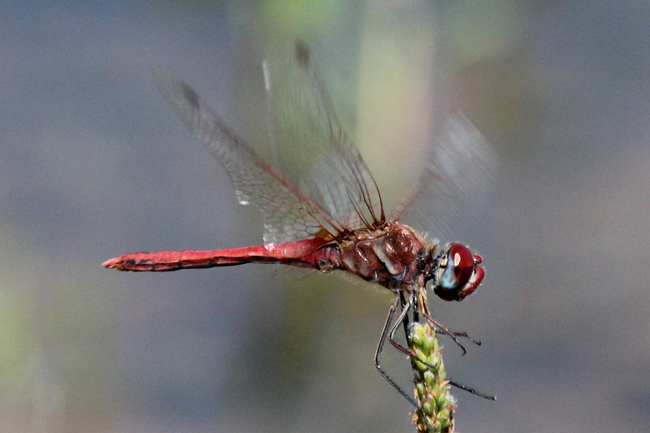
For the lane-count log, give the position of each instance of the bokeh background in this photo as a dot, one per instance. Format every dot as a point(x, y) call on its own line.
point(93, 164)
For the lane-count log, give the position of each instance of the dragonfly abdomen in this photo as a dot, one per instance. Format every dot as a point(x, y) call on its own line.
point(303, 253)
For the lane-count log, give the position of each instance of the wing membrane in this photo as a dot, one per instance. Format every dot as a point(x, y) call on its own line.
point(288, 214)
point(322, 185)
point(310, 146)
point(461, 166)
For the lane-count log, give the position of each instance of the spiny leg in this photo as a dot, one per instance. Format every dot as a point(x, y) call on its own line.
point(406, 319)
point(407, 305)
point(380, 348)
point(439, 329)
point(471, 390)
point(402, 319)
point(460, 334)
point(424, 310)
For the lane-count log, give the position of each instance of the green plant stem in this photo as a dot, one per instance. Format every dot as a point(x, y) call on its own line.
point(432, 389)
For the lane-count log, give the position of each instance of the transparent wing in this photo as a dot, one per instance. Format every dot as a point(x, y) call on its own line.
point(310, 147)
point(288, 214)
point(461, 167)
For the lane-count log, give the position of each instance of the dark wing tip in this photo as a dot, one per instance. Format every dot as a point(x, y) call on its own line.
point(173, 88)
point(190, 95)
point(302, 53)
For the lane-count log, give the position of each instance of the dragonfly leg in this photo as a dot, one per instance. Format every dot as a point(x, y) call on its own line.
point(460, 334)
point(402, 319)
point(405, 322)
point(443, 330)
point(471, 390)
point(380, 349)
point(389, 332)
point(440, 329)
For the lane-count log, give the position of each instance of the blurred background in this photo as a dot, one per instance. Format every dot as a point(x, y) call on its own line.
point(94, 164)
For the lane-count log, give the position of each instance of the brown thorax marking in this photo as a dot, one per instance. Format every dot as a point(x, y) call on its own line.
point(390, 255)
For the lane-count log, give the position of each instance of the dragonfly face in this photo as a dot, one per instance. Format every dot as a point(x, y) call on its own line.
point(457, 273)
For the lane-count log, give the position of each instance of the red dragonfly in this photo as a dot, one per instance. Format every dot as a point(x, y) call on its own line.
point(321, 206)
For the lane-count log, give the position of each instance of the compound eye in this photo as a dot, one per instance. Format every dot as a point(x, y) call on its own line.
point(455, 270)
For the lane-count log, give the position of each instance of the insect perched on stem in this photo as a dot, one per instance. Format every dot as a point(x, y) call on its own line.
point(321, 207)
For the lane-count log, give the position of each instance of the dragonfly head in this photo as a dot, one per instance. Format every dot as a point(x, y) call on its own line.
point(457, 273)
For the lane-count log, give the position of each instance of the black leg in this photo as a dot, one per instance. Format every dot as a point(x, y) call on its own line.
point(380, 349)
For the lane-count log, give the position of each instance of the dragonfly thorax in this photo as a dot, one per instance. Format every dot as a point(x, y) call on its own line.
point(391, 255)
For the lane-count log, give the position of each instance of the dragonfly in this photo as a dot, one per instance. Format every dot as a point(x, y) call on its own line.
point(321, 207)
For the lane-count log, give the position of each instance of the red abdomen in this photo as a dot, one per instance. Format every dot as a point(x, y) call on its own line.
point(306, 253)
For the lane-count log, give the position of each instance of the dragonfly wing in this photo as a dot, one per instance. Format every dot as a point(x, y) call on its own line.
point(288, 214)
point(309, 145)
point(461, 167)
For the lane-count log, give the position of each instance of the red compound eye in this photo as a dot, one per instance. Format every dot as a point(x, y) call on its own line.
point(458, 274)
